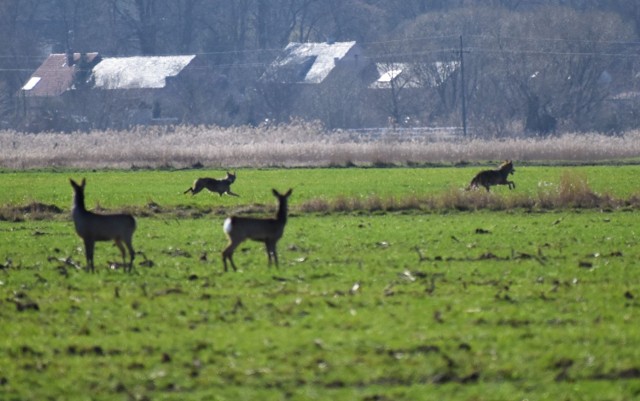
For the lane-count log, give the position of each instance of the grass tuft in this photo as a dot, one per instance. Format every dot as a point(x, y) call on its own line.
point(31, 211)
point(572, 192)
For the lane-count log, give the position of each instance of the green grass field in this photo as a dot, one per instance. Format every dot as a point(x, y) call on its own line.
point(413, 304)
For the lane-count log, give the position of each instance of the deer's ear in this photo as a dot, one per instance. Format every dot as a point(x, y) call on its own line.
point(83, 183)
point(274, 192)
point(289, 192)
point(73, 183)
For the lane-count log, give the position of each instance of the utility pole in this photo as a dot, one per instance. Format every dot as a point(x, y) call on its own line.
point(464, 96)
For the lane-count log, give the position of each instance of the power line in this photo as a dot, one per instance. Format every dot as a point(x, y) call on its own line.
point(547, 39)
point(406, 54)
point(453, 37)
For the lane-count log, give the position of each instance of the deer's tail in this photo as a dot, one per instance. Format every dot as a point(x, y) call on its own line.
point(228, 225)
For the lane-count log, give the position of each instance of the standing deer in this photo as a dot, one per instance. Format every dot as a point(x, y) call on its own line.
point(269, 231)
point(221, 186)
point(92, 227)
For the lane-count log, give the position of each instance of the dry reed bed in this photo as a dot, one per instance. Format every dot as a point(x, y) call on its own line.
point(291, 145)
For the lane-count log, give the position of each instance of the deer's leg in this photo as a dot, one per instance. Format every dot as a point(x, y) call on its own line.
point(230, 257)
point(89, 246)
point(231, 193)
point(268, 249)
point(228, 254)
point(275, 254)
point(271, 252)
point(224, 261)
point(132, 253)
point(122, 251)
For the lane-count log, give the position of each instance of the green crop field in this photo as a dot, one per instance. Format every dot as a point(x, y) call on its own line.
point(370, 302)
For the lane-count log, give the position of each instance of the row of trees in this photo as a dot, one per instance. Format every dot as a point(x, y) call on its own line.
point(533, 65)
point(546, 67)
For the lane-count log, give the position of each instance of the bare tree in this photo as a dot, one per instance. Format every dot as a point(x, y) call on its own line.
point(186, 11)
point(539, 67)
point(560, 79)
point(140, 20)
point(18, 56)
point(336, 103)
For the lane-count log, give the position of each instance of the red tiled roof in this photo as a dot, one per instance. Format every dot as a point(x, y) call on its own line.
point(55, 76)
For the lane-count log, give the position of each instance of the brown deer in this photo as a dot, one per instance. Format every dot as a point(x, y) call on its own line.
point(498, 176)
point(221, 186)
point(269, 231)
point(92, 227)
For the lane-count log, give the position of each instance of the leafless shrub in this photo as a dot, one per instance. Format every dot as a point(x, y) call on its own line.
point(316, 205)
point(633, 201)
point(375, 203)
point(459, 199)
point(345, 204)
point(412, 202)
point(520, 201)
point(573, 191)
point(31, 211)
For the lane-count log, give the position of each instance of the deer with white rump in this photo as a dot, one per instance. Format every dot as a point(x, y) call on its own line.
point(92, 227)
point(269, 231)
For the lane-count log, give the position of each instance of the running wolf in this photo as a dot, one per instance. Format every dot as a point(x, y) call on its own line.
point(498, 176)
point(221, 186)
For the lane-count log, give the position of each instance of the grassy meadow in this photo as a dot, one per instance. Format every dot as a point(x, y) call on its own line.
point(394, 284)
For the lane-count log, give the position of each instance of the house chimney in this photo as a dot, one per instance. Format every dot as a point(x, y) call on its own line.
point(69, 51)
point(69, 58)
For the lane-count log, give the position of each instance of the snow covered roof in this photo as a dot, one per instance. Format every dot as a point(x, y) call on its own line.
point(410, 75)
point(307, 62)
point(389, 72)
point(138, 72)
point(56, 76)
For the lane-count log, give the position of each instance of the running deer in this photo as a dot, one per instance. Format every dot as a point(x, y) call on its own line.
point(269, 231)
point(498, 176)
point(221, 186)
point(92, 227)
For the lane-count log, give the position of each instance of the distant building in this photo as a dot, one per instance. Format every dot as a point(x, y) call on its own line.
point(339, 85)
point(335, 83)
point(314, 63)
point(413, 75)
point(316, 81)
point(80, 90)
point(412, 94)
point(150, 72)
point(60, 73)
